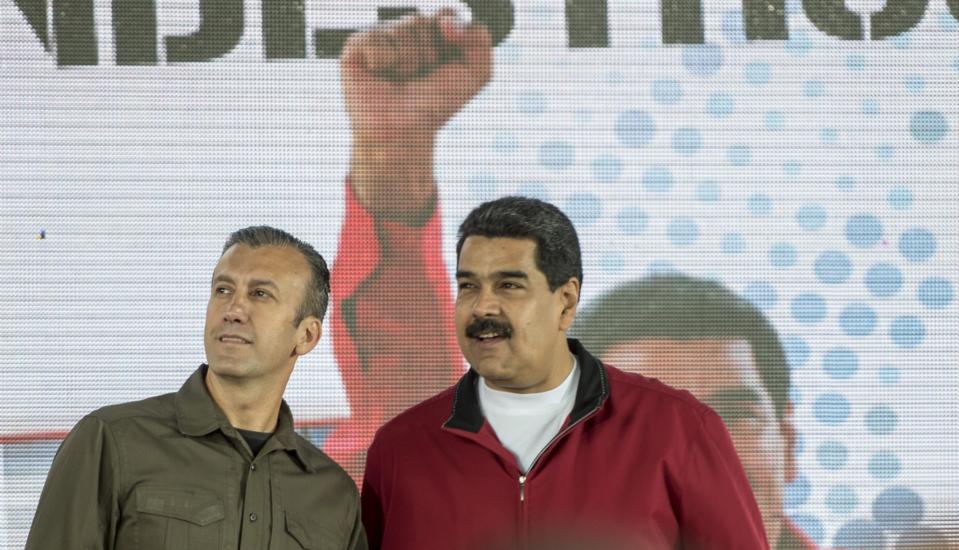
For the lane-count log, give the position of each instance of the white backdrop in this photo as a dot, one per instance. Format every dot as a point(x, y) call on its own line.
point(815, 175)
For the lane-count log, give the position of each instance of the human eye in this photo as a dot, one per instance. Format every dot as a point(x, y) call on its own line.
point(511, 285)
point(221, 290)
point(464, 285)
point(260, 293)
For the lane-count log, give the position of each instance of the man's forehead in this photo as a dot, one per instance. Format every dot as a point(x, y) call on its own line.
point(701, 366)
point(262, 262)
point(497, 253)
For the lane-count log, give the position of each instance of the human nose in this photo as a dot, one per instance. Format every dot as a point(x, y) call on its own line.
point(236, 309)
point(486, 304)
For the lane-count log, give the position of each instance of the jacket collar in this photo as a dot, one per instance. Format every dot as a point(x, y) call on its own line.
point(592, 391)
point(198, 415)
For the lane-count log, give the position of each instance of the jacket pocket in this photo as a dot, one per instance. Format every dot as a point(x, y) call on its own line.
point(178, 519)
point(309, 535)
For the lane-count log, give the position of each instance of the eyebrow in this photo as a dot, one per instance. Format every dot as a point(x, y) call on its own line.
point(499, 274)
point(253, 282)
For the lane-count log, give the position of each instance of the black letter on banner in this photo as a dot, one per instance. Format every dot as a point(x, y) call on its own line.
point(953, 8)
point(221, 26)
point(391, 14)
point(284, 29)
point(73, 28)
point(497, 15)
point(765, 19)
point(897, 17)
point(35, 11)
point(587, 25)
point(682, 21)
point(832, 18)
point(135, 32)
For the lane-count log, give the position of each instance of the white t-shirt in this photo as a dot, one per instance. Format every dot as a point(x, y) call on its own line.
point(526, 422)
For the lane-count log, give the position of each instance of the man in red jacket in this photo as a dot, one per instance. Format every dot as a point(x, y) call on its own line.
point(539, 435)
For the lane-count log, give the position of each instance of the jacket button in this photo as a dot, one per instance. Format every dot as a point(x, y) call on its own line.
point(252, 467)
point(253, 516)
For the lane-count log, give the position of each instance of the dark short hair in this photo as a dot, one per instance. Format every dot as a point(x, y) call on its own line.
point(557, 247)
point(680, 307)
point(318, 291)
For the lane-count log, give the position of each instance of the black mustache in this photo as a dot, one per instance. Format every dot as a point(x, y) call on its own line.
point(487, 324)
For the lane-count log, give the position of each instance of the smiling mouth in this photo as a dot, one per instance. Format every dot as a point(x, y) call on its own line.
point(233, 340)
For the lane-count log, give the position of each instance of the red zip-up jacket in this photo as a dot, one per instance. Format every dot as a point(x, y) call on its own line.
point(637, 465)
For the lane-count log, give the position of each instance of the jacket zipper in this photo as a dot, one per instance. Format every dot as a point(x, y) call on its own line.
point(522, 488)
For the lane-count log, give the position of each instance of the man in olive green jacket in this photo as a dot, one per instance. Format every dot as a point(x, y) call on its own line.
point(217, 464)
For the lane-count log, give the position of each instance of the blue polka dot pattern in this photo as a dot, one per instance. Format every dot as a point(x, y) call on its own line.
point(797, 492)
point(832, 267)
point(720, 105)
point(840, 363)
point(733, 244)
point(928, 127)
point(658, 179)
point(884, 465)
point(739, 155)
point(900, 198)
point(761, 294)
point(881, 420)
point(703, 59)
point(841, 499)
point(632, 221)
point(732, 27)
point(811, 217)
point(759, 205)
point(666, 92)
point(634, 128)
point(797, 351)
point(917, 244)
point(863, 230)
point(857, 319)
point(808, 308)
point(799, 43)
point(584, 209)
point(888, 374)
point(811, 526)
point(682, 232)
point(831, 409)
point(907, 331)
point(687, 141)
point(814, 88)
point(782, 255)
point(606, 168)
point(774, 120)
point(757, 73)
point(708, 191)
point(556, 155)
point(914, 83)
point(832, 455)
point(859, 534)
point(845, 183)
point(935, 293)
point(883, 280)
point(897, 508)
point(531, 103)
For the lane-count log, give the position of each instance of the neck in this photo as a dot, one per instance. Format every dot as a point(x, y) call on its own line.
point(248, 404)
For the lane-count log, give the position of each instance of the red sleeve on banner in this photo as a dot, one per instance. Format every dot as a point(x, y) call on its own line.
point(392, 324)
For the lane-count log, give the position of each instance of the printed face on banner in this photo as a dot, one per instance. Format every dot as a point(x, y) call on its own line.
point(254, 299)
point(510, 326)
point(723, 374)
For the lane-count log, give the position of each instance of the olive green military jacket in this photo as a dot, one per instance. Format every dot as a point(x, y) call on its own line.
point(170, 472)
